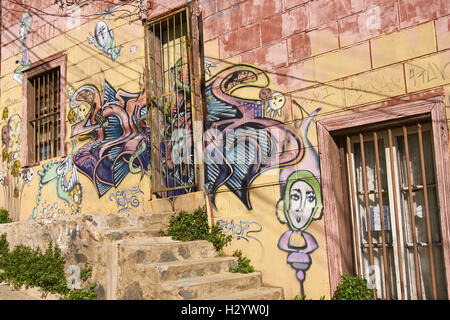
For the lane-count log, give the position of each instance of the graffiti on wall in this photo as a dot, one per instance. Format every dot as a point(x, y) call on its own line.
point(63, 177)
point(242, 230)
point(127, 199)
point(116, 135)
point(300, 203)
point(103, 38)
point(25, 26)
point(244, 136)
point(12, 178)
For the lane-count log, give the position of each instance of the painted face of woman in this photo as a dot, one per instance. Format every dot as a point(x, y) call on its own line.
point(302, 201)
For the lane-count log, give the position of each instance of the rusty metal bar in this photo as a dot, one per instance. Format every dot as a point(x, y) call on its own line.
point(39, 118)
point(380, 205)
point(58, 106)
point(411, 209)
point(397, 227)
point(52, 118)
point(352, 187)
point(47, 122)
point(427, 211)
point(366, 200)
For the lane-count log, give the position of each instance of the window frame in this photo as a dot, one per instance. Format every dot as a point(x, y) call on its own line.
point(333, 168)
point(59, 60)
point(196, 58)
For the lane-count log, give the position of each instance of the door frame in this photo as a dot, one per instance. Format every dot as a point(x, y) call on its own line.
point(335, 195)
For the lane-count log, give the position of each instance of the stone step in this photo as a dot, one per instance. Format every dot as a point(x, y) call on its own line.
point(130, 220)
point(120, 234)
point(152, 250)
point(178, 270)
point(208, 287)
point(261, 293)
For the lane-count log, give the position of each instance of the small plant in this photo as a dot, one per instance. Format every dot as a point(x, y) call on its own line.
point(185, 226)
point(24, 266)
point(82, 294)
point(4, 216)
point(352, 288)
point(243, 263)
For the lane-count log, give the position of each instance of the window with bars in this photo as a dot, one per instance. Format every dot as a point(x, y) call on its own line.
point(43, 112)
point(171, 92)
point(395, 213)
point(45, 120)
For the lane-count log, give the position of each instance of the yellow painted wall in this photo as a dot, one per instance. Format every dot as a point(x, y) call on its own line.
point(340, 73)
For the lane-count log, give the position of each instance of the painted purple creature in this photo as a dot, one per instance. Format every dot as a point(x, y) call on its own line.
point(119, 139)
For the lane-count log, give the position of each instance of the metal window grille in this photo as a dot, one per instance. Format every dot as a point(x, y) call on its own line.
point(395, 216)
point(45, 115)
point(170, 88)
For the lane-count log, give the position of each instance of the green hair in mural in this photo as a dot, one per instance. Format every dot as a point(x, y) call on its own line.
point(302, 201)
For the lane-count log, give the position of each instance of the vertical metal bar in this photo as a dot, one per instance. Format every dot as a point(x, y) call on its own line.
point(366, 199)
point(175, 85)
point(35, 127)
point(191, 81)
point(52, 117)
point(397, 227)
point(427, 211)
point(163, 107)
point(155, 133)
point(352, 195)
point(411, 211)
point(380, 205)
point(39, 117)
point(181, 65)
point(58, 107)
point(154, 86)
point(46, 106)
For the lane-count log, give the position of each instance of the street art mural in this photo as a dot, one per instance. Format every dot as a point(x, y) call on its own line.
point(128, 199)
point(13, 179)
point(103, 38)
point(244, 139)
point(24, 64)
point(62, 176)
point(242, 230)
point(299, 205)
point(113, 128)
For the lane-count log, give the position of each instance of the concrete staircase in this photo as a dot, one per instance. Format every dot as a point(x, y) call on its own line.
point(143, 265)
point(132, 261)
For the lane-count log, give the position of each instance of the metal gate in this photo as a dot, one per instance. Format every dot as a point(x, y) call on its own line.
point(171, 98)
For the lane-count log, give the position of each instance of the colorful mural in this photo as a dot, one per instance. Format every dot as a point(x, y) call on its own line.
point(12, 177)
point(103, 38)
point(63, 177)
point(24, 64)
point(244, 138)
point(116, 135)
point(128, 199)
point(300, 204)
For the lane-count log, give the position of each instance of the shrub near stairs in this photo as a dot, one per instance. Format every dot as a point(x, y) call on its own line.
point(24, 266)
point(185, 226)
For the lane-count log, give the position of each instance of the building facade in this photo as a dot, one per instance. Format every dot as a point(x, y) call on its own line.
point(315, 131)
